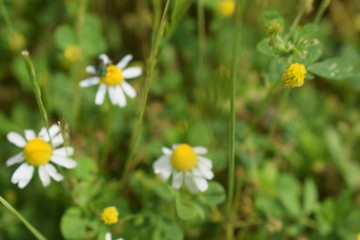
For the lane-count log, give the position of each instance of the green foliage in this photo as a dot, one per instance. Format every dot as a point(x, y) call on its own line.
point(296, 150)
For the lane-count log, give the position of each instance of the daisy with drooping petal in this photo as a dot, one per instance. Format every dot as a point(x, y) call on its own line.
point(39, 151)
point(108, 237)
point(186, 166)
point(111, 78)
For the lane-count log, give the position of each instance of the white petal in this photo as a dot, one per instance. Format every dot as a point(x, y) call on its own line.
point(132, 72)
point(162, 167)
point(190, 184)
point(205, 171)
point(16, 139)
point(121, 97)
point(204, 161)
point(113, 95)
point(91, 81)
point(29, 134)
point(64, 151)
point(128, 89)
point(166, 151)
point(54, 130)
point(22, 175)
point(200, 182)
point(178, 179)
point(44, 176)
point(90, 69)
point(124, 61)
point(100, 95)
point(63, 161)
point(51, 170)
point(105, 59)
point(200, 150)
point(15, 159)
point(44, 135)
point(108, 236)
point(57, 140)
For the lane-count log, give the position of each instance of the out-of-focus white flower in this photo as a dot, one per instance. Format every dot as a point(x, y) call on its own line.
point(108, 237)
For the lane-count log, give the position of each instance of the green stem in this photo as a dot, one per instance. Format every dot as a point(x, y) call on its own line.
point(35, 232)
point(36, 88)
point(6, 16)
point(298, 17)
point(323, 6)
point(151, 66)
point(231, 158)
point(282, 103)
point(106, 149)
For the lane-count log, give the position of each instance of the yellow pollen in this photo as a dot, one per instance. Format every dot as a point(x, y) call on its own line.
point(113, 76)
point(110, 215)
point(226, 8)
point(37, 152)
point(183, 158)
point(294, 76)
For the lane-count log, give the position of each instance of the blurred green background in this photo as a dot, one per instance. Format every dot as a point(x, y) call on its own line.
point(298, 167)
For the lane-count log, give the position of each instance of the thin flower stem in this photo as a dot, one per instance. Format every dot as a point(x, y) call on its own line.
point(323, 6)
point(36, 88)
point(106, 149)
point(151, 63)
point(282, 104)
point(35, 232)
point(298, 17)
point(6, 16)
point(231, 158)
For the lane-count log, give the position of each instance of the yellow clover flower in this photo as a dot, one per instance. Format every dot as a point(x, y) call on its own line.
point(294, 75)
point(186, 166)
point(110, 215)
point(226, 8)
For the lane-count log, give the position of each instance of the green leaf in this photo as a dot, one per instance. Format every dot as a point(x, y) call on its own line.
point(171, 230)
point(86, 169)
point(186, 210)
point(333, 68)
point(214, 195)
point(73, 225)
point(264, 47)
point(64, 36)
point(310, 196)
point(289, 194)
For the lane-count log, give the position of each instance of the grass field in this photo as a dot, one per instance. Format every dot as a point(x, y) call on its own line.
point(180, 119)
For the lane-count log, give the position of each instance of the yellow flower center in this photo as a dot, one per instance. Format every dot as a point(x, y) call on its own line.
point(226, 8)
point(183, 158)
point(37, 152)
point(294, 76)
point(110, 215)
point(113, 76)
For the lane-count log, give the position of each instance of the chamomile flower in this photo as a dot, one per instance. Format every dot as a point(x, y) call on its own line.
point(39, 151)
point(109, 237)
point(112, 78)
point(186, 165)
point(294, 75)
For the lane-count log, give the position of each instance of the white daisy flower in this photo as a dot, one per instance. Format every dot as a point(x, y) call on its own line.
point(108, 237)
point(111, 78)
point(39, 151)
point(186, 165)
